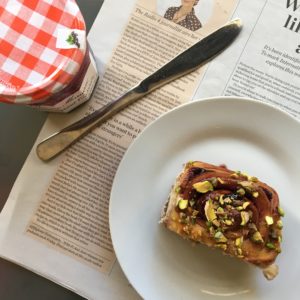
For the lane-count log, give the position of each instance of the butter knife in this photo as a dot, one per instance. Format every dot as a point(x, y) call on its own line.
point(186, 62)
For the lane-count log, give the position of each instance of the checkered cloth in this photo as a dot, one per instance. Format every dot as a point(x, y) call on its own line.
point(31, 67)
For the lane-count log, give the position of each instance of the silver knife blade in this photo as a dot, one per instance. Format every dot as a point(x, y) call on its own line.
point(186, 62)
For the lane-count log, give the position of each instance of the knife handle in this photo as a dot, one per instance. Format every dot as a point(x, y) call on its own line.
point(58, 142)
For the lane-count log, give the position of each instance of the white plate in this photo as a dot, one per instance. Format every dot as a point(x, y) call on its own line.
point(244, 134)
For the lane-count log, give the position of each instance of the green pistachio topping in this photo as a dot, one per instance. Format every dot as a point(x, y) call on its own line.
point(220, 209)
point(239, 241)
point(220, 237)
point(209, 211)
point(253, 178)
point(240, 251)
point(257, 238)
point(222, 246)
point(241, 191)
point(245, 217)
point(177, 190)
point(281, 211)
point(216, 223)
point(214, 181)
point(203, 186)
point(279, 224)
point(220, 180)
point(246, 204)
point(270, 246)
point(269, 220)
point(234, 175)
point(221, 200)
point(208, 223)
point(227, 200)
point(228, 222)
point(183, 204)
point(239, 208)
point(252, 226)
point(255, 194)
point(195, 213)
point(192, 202)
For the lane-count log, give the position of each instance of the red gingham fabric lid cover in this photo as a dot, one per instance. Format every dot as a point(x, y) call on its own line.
point(39, 48)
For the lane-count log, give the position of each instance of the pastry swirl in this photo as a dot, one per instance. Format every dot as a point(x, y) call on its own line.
point(228, 210)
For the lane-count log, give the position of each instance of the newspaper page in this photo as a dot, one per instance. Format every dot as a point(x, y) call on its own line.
point(55, 222)
point(265, 65)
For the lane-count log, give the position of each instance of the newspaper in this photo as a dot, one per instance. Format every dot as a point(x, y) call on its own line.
point(55, 221)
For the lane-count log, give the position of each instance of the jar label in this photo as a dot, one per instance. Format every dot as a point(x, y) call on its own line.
point(70, 38)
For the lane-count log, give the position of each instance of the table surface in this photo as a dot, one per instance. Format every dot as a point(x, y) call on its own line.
point(16, 141)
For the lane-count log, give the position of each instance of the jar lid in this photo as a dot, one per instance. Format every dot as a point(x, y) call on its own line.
point(42, 45)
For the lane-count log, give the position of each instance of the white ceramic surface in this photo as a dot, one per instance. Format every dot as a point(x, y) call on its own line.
point(245, 135)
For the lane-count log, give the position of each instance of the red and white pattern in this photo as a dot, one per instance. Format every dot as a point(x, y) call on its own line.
point(31, 66)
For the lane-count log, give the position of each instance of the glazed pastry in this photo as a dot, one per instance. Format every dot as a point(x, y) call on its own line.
point(228, 210)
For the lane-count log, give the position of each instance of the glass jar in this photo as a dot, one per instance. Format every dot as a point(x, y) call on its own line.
point(45, 60)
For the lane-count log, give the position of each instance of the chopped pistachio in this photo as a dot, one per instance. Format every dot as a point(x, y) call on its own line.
point(177, 190)
point(195, 213)
point(255, 194)
point(222, 246)
point(192, 202)
point(217, 198)
point(245, 217)
point(209, 211)
point(269, 220)
point(228, 222)
point(212, 230)
point(239, 241)
point(253, 178)
point(208, 223)
point(279, 239)
point(241, 191)
point(234, 175)
point(220, 237)
point(252, 226)
point(220, 180)
point(183, 204)
point(221, 200)
point(279, 224)
point(245, 174)
point(240, 208)
point(203, 187)
point(270, 246)
point(240, 251)
point(246, 204)
point(227, 200)
point(257, 238)
point(281, 211)
point(216, 223)
point(246, 184)
point(214, 181)
point(220, 209)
